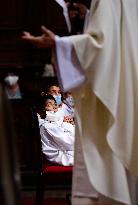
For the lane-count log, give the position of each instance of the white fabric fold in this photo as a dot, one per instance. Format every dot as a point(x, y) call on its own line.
point(70, 76)
point(107, 60)
point(58, 142)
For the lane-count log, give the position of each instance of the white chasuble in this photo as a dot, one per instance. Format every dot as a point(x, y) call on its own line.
point(101, 69)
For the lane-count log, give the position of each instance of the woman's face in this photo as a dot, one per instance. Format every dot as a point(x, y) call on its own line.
point(54, 90)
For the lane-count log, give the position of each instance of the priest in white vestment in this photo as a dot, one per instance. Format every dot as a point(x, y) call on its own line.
point(100, 67)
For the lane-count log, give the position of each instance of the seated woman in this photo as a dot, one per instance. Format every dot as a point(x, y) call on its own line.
point(64, 101)
point(57, 134)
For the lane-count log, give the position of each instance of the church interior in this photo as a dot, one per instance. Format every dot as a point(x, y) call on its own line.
point(38, 120)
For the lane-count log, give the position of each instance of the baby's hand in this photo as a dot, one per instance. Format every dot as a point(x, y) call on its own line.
point(69, 119)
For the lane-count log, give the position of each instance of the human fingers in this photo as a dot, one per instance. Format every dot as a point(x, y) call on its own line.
point(49, 36)
point(33, 40)
point(39, 41)
point(47, 31)
point(26, 35)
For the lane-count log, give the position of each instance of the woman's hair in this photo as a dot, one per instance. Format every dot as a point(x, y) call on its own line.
point(49, 86)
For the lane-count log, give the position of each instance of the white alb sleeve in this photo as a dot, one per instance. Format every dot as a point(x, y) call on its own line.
point(69, 71)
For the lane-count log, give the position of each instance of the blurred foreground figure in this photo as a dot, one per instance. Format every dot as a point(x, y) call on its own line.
point(100, 67)
point(9, 167)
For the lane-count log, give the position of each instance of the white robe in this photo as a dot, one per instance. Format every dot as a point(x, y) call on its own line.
point(105, 88)
point(57, 141)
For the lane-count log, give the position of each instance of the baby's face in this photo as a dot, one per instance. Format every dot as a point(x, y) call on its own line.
point(50, 105)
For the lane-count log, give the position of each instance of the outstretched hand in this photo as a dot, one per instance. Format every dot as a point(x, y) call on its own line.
point(46, 40)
